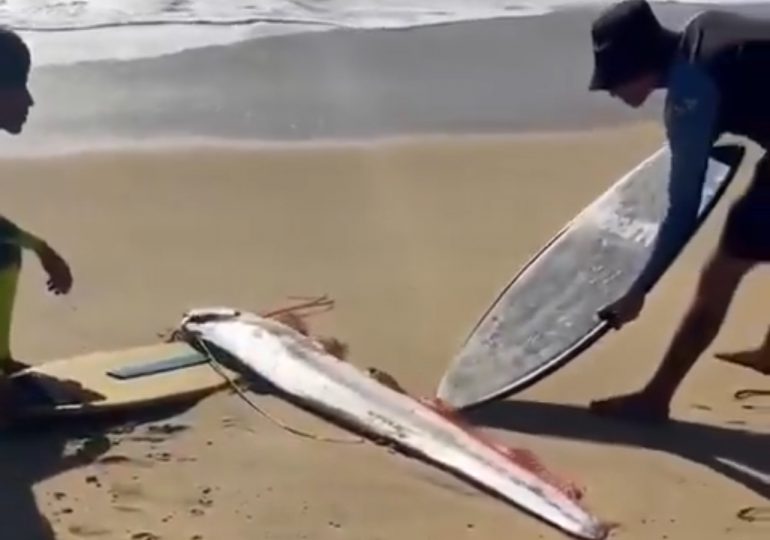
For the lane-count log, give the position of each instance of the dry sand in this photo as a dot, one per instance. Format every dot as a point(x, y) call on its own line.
point(413, 239)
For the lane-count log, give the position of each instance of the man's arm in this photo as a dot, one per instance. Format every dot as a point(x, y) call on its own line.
point(60, 277)
point(10, 233)
point(691, 118)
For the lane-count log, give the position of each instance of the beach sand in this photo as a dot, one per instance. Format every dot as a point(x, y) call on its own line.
point(412, 238)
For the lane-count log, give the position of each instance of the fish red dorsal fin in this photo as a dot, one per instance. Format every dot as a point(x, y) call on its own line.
point(441, 407)
point(522, 457)
point(528, 460)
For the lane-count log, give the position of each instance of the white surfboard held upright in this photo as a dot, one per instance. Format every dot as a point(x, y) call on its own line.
point(546, 315)
point(298, 366)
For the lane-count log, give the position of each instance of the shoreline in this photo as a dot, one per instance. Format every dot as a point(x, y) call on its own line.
point(477, 77)
point(121, 146)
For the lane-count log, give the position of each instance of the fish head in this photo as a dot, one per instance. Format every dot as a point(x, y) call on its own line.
point(198, 316)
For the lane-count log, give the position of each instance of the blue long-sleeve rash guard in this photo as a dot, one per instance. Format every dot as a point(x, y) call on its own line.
point(691, 112)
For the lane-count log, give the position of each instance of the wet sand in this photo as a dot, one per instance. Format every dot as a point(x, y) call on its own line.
point(412, 238)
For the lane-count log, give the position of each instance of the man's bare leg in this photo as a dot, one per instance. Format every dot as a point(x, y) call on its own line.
point(716, 288)
point(9, 278)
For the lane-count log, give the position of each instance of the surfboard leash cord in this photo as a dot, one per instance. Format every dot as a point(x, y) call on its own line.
point(217, 366)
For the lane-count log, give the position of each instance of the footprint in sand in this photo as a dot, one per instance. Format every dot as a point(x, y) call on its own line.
point(164, 457)
point(755, 513)
point(86, 531)
point(118, 459)
point(127, 509)
point(127, 491)
point(154, 439)
point(159, 433)
point(229, 422)
point(93, 480)
point(167, 429)
point(204, 501)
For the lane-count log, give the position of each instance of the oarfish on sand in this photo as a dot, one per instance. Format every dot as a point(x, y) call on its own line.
point(297, 365)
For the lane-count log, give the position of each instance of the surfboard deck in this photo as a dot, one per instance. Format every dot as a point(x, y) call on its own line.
point(547, 314)
point(107, 381)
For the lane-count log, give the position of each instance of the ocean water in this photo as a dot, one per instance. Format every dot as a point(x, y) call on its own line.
point(71, 31)
point(112, 72)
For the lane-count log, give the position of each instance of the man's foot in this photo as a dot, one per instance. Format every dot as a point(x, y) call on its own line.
point(757, 360)
point(638, 407)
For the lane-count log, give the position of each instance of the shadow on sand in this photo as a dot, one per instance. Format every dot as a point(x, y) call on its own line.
point(38, 451)
point(741, 455)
